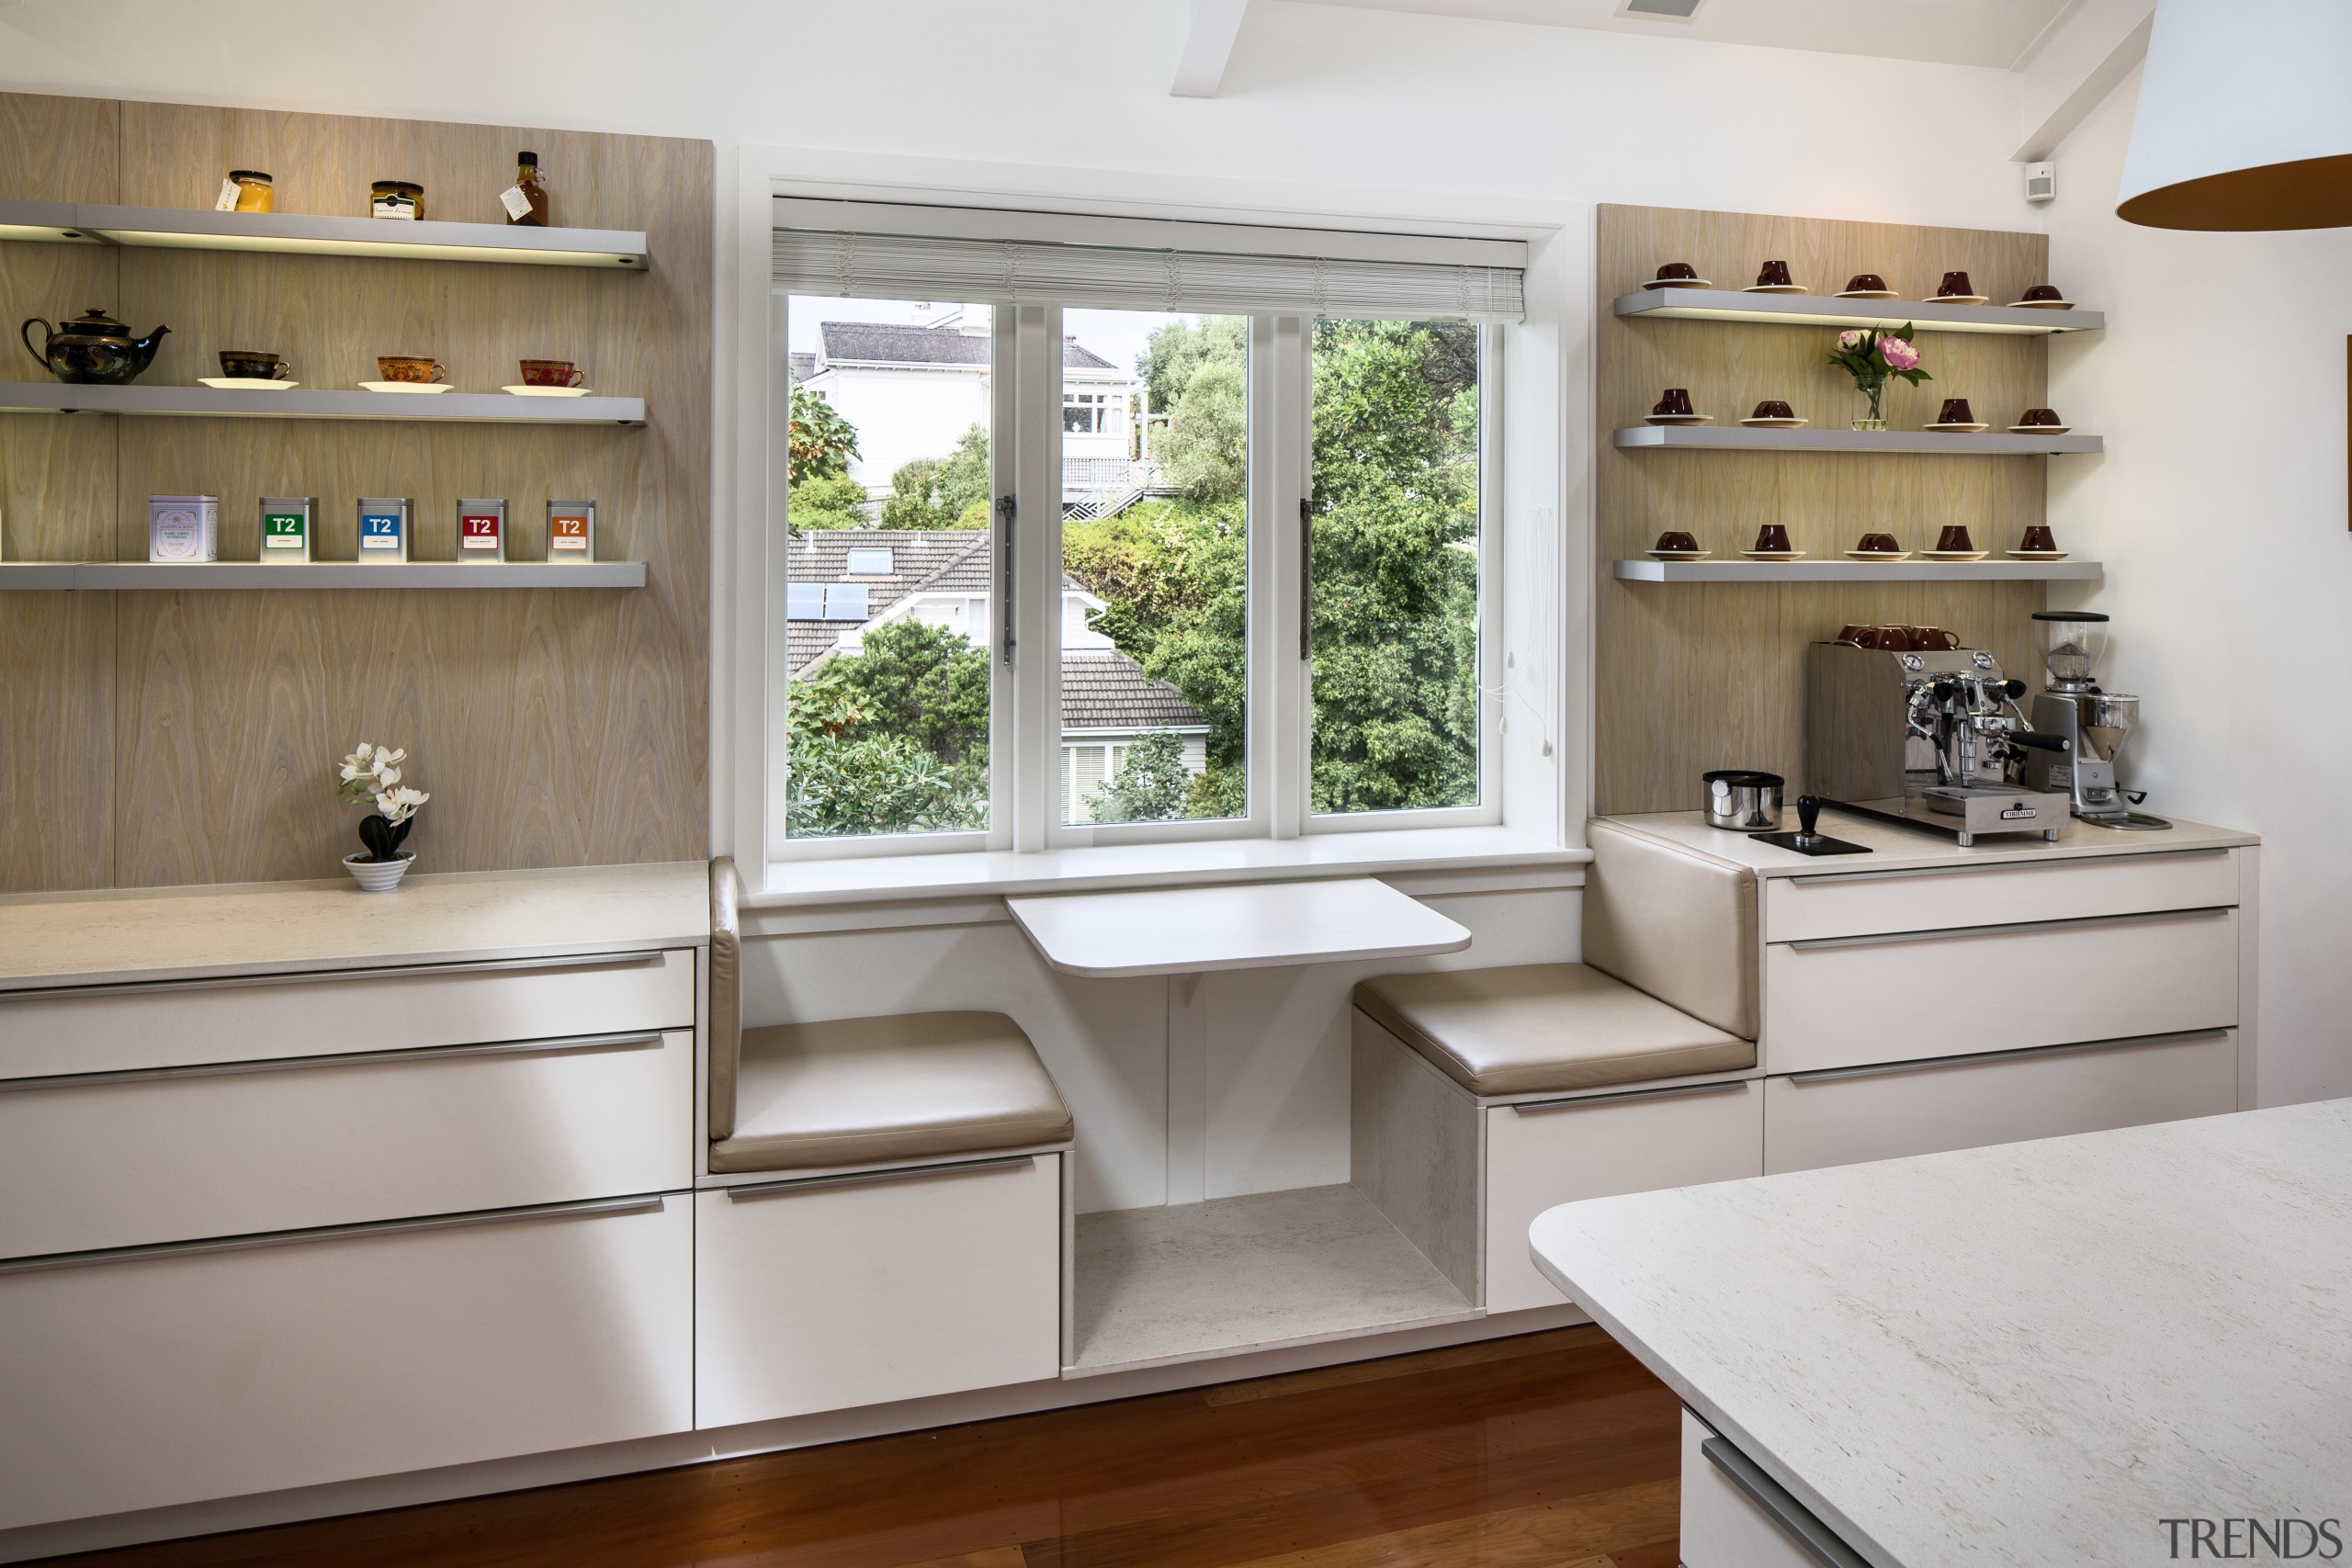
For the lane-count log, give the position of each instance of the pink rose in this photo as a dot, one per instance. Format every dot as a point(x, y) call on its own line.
point(1850, 340)
point(1898, 355)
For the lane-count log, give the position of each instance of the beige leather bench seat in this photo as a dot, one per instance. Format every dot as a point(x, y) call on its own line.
point(1545, 1028)
point(883, 1090)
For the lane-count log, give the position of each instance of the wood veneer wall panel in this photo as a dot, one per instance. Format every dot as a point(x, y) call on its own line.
point(56, 489)
point(1692, 677)
point(552, 728)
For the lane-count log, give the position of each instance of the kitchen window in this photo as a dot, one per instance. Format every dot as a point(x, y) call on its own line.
point(1144, 548)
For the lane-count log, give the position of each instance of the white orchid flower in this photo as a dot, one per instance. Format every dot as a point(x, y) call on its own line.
point(396, 805)
point(387, 777)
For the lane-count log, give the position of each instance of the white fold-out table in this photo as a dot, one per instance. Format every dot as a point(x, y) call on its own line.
point(1185, 932)
point(1191, 930)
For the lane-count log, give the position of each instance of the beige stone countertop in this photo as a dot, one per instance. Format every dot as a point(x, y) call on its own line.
point(1894, 847)
point(140, 935)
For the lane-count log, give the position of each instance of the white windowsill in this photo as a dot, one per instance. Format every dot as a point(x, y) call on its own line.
point(875, 879)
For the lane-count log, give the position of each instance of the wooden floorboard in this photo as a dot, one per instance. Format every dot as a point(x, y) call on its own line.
point(1554, 1448)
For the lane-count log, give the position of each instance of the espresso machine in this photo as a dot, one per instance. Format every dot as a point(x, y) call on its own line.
point(2096, 722)
point(1928, 737)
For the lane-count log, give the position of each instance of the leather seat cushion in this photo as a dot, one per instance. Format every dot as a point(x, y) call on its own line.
point(873, 1091)
point(1538, 1028)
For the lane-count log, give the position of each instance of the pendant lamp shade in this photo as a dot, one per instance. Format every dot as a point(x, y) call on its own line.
point(2246, 117)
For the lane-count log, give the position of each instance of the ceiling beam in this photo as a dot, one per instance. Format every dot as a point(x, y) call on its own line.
point(2074, 71)
point(1207, 48)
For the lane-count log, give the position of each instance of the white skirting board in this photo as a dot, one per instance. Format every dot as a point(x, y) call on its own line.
point(1162, 1285)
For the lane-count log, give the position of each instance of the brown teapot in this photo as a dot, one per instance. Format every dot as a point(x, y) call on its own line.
point(93, 349)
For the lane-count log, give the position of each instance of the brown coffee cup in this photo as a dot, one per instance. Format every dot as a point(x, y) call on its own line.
point(2038, 536)
point(1953, 282)
point(1879, 544)
point(2039, 416)
point(419, 368)
point(254, 365)
point(1885, 639)
point(1772, 408)
point(1854, 634)
point(1865, 282)
point(1930, 639)
point(1955, 411)
point(1773, 537)
point(1674, 271)
point(1773, 274)
point(2043, 291)
point(552, 373)
point(1674, 540)
point(1675, 401)
point(1955, 538)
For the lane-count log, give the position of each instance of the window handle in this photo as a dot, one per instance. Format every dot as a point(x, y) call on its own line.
point(1305, 577)
point(1008, 514)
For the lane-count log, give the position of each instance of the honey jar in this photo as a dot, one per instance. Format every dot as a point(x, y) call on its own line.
point(396, 198)
point(248, 190)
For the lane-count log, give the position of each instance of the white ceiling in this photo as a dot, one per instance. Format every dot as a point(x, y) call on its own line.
point(1958, 32)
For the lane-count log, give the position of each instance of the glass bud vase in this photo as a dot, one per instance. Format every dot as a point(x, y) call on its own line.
point(1874, 416)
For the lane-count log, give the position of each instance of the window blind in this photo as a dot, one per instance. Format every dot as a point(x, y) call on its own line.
point(1023, 272)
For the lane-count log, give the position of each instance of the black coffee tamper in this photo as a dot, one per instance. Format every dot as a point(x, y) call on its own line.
point(1808, 821)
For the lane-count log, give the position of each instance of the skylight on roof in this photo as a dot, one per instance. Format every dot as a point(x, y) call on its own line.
point(869, 561)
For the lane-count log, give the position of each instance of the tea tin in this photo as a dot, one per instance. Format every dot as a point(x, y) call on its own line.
point(571, 530)
point(384, 528)
point(183, 528)
point(482, 530)
point(288, 525)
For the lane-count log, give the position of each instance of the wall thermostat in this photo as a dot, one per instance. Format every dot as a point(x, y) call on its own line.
point(2040, 183)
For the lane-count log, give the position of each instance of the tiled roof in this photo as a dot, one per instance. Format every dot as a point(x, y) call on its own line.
point(886, 343)
point(919, 557)
point(803, 365)
point(1104, 689)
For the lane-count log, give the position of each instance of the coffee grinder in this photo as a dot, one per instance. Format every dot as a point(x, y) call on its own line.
point(2096, 722)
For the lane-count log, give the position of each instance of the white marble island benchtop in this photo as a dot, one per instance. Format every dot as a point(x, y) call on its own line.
point(2031, 1355)
point(141, 935)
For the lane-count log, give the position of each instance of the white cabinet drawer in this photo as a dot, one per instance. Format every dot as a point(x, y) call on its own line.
point(1734, 1515)
point(165, 1377)
point(1845, 1117)
point(1846, 1002)
point(175, 1154)
point(834, 1294)
point(112, 1029)
point(1857, 903)
point(1543, 1154)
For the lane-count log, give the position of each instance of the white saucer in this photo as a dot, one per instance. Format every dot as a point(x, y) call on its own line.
point(1955, 554)
point(1678, 418)
point(1677, 555)
point(1773, 423)
point(1969, 429)
point(2041, 304)
point(546, 392)
point(246, 383)
point(1773, 555)
point(1867, 294)
point(1776, 289)
point(404, 386)
point(2037, 555)
point(1957, 299)
point(2039, 429)
point(1878, 555)
point(1677, 283)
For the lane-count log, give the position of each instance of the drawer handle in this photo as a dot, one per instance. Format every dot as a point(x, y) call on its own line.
point(1817, 1539)
point(1964, 1058)
point(1535, 1107)
point(571, 1045)
point(1821, 876)
point(1881, 939)
point(637, 1204)
point(311, 977)
point(864, 1178)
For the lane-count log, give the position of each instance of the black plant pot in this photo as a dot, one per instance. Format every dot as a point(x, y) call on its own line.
point(383, 838)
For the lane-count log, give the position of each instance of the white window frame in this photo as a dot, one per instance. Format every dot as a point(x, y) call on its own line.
point(1542, 750)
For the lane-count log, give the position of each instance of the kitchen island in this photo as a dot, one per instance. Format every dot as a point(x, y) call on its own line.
point(2039, 1353)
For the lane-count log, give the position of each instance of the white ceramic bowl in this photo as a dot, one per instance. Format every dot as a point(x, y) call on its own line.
point(379, 876)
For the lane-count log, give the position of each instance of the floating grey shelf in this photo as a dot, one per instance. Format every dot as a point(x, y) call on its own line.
point(104, 576)
point(1818, 310)
point(1857, 572)
point(294, 233)
point(207, 403)
point(1739, 438)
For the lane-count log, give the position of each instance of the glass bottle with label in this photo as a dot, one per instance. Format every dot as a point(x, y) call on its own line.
point(526, 204)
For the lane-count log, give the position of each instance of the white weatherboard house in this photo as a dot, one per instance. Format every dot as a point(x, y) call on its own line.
point(844, 581)
point(913, 390)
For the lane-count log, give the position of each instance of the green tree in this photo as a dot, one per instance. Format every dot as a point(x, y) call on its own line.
point(1196, 372)
point(892, 739)
point(1151, 783)
point(829, 500)
point(942, 492)
point(925, 682)
point(821, 442)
